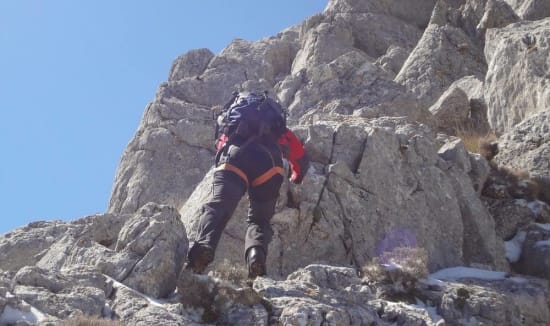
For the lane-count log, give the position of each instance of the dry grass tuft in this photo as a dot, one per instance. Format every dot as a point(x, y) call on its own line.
point(227, 271)
point(475, 142)
point(403, 263)
point(396, 273)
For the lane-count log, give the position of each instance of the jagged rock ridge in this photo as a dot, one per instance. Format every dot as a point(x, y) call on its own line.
point(375, 89)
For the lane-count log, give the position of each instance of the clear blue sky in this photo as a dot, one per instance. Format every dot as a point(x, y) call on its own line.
point(75, 76)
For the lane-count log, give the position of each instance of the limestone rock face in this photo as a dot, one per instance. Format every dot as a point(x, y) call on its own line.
point(531, 9)
point(63, 295)
point(527, 146)
point(24, 246)
point(191, 64)
point(451, 110)
point(364, 83)
point(535, 258)
point(158, 237)
point(520, 52)
point(371, 192)
point(173, 146)
point(303, 296)
point(416, 13)
point(447, 51)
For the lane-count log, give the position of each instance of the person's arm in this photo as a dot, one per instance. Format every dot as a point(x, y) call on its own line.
point(296, 155)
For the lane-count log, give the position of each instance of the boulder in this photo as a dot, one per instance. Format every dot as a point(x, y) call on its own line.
point(394, 59)
point(320, 293)
point(527, 146)
point(147, 254)
point(531, 9)
point(190, 64)
point(518, 58)
point(157, 236)
point(451, 111)
point(64, 294)
point(535, 252)
point(446, 52)
point(25, 246)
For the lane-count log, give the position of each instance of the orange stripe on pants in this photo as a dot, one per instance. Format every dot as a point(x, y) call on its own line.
point(268, 175)
point(234, 169)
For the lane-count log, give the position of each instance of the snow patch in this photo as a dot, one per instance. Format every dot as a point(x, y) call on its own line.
point(514, 246)
point(12, 316)
point(537, 207)
point(544, 226)
point(456, 273)
point(153, 301)
point(431, 310)
point(545, 243)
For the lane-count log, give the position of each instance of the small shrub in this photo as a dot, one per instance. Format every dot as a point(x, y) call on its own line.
point(227, 271)
point(90, 321)
point(396, 273)
point(410, 262)
point(475, 142)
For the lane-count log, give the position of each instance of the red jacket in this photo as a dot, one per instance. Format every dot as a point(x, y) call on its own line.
point(293, 151)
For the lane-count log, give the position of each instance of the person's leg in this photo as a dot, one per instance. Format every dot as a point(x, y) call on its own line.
point(263, 199)
point(227, 190)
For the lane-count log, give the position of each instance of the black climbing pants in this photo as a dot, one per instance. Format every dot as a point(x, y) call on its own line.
point(255, 167)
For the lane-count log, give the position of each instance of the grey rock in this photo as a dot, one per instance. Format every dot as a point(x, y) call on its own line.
point(168, 153)
point(527, 146)
point(477, 117)
point(511, 301)
point(191, 64)
point(342, 213)
point(322, 42)
point(173, 147)
point(352, 85)
point(521, 53)
point(535, 254)
point(147, 255)
point(220, 302)
point(24, 246)
point(417, 13)
point(531, 9)
point(452, 109)
point(498, 13)
point(135, 309)
point(479, 172)
point(449, 49)
point(511, 215)
point(71, 251)
point(157, 236)
point(63, 294)
point(394, 59)
point(454, 151)
point(375, 33)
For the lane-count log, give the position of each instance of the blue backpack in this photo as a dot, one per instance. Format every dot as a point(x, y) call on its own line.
point(252, 116)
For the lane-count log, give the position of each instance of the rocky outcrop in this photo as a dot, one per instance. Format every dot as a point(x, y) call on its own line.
point(415, 13)
point(452, 109)
point(521, 53)
point(531, 9)
point(376, 90)
point(446, 52)
point(535, 251)
point(350, 209)
point(527, 146)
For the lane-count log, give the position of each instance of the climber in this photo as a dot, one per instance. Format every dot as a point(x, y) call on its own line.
point(250, 148)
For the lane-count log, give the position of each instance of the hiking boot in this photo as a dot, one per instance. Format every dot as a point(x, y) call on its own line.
point(255, 259)
point(198, 258)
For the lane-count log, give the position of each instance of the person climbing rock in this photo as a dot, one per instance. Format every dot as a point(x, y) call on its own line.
point(251, 146)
